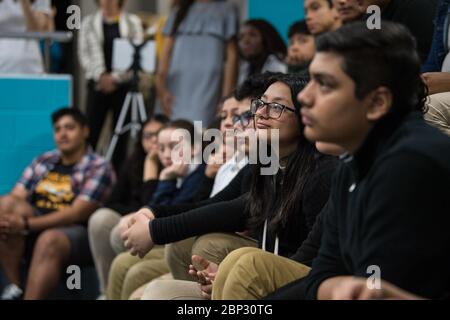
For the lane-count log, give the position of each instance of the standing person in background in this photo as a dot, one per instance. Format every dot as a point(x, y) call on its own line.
point(261, 48)
point(199, 61)
point(106, 89)
point(20, 55)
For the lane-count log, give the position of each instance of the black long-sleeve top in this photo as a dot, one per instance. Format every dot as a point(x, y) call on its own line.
point(236, 188)
point(130, 193)
point(390, 207)
point(231, 216)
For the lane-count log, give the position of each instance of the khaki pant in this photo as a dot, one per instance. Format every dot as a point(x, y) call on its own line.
point(213, 247)
point(251, 274)
point(128, 273)
point(438, 114)
point(160, 289)
point(104, 241)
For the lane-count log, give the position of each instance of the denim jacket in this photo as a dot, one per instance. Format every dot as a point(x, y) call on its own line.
point(439, 47)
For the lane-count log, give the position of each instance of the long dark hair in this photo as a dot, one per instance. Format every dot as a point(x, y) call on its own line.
point(138, 155)
point(182, 11)
point(274, 198)
point(273, 44)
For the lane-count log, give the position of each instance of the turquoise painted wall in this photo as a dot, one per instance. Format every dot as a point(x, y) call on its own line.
point(281, 13)
point(25, 126)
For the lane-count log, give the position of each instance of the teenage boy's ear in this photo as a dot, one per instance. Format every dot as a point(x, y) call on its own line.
point(86, 132)
point(380, 103)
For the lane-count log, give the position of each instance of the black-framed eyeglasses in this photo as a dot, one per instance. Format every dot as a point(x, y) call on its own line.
point(244, 118)
point(274, 110)
point(149, 135)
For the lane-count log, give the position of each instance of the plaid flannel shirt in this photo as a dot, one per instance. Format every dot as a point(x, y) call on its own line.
point(92, 178)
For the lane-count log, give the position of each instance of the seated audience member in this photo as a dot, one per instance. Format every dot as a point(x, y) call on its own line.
point(277, 230)
point(321, 16)
point(45, 215)
point(177, 183)
point(261, 48)
point(135, 186)
point(379, 212)
point(301, 48)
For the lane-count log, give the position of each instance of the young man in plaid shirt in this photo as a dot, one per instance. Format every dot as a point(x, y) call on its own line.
point(43, 219)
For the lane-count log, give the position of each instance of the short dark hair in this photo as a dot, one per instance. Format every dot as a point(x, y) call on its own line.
point(253, 87)
point(385, 57)
point(121, 3)
point(182, 124)
point(159, 117)
point(298, 27)
point(72, 112)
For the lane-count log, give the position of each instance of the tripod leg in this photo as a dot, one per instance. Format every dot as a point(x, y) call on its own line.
point(135, 126)
point(142, 112)
point(119, 127)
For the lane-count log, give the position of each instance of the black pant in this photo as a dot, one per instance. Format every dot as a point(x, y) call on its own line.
point(98, 105)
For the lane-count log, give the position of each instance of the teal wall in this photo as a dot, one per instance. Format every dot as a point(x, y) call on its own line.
point(281, 13)
point(25, 127)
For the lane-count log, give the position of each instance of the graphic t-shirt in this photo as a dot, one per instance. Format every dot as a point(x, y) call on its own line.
point(54, 192)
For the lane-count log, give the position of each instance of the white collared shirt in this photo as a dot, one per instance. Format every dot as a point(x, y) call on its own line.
point(226, 173)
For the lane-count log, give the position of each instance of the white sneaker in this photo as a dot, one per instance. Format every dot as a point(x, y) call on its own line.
point(12, 292)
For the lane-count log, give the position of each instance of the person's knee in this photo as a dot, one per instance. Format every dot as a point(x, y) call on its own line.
point(251, 260)
point(176, 251)
point(179, 252)
point(115, 240)
point(242, 252)
point(121, 264)
point(135, 278)
point(237, 260)
point(99, 219)
point(134, 274)
point(52, 244)
point(8, 204)
point(155, 291)
point(213, 247)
